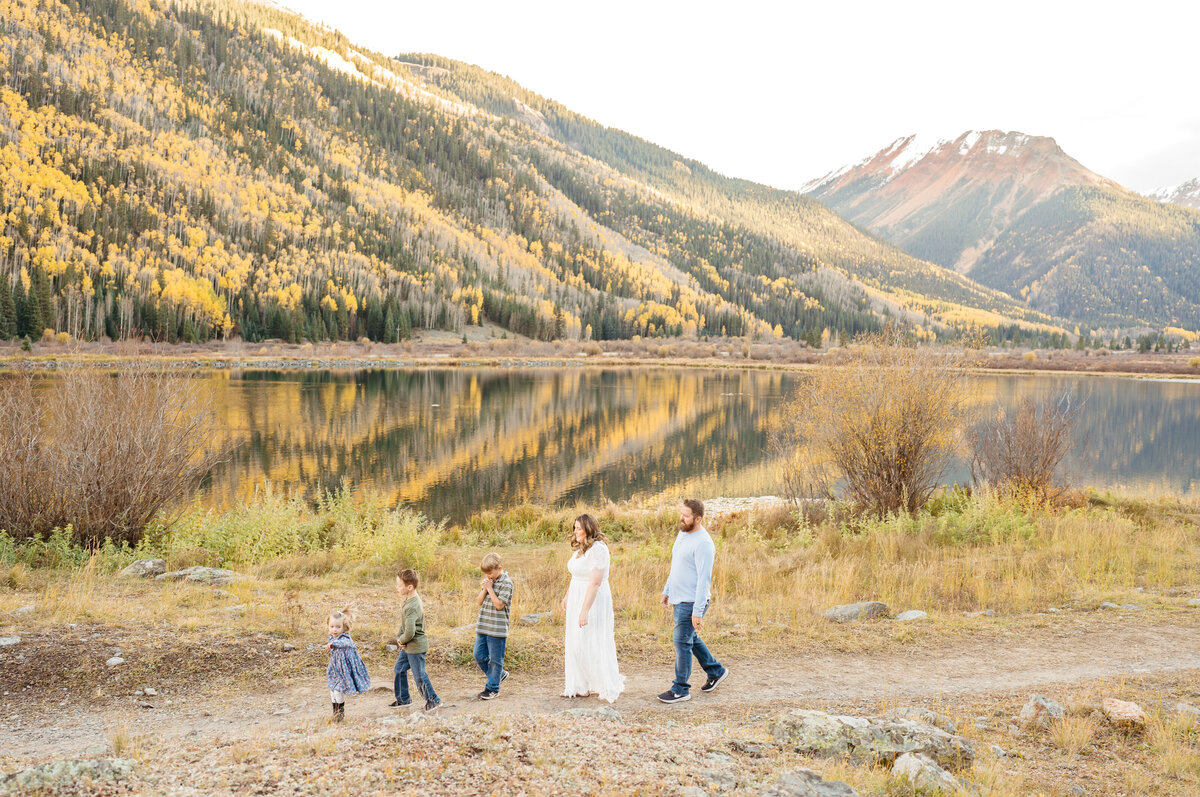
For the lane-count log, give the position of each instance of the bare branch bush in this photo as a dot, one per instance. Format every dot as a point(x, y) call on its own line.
point(882, 425)
point(102, 452)
point(1019, 450)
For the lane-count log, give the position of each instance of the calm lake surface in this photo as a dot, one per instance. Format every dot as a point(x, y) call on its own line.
point(451, 442)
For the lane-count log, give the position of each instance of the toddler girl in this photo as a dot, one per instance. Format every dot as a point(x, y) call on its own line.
point(346, 675)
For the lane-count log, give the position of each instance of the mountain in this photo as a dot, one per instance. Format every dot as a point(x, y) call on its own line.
point(197, 169)
point(1187, 194)
point(1016, 213)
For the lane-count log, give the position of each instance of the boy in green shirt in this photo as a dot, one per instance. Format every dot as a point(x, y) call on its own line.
point(413, 644)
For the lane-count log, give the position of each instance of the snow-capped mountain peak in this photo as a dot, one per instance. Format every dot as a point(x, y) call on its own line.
point(1187, 193)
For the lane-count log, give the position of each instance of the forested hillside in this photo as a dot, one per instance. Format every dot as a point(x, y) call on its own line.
point(195, 169)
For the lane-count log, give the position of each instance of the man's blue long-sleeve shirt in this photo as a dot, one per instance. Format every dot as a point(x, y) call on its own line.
point(690, 580)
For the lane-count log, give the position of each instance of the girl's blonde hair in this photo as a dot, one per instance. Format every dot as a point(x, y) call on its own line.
point(346, 616)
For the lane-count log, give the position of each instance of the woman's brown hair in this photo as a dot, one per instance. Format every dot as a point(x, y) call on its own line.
point(591, 533)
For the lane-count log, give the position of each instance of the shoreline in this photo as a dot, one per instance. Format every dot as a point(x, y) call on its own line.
point(1177, 370)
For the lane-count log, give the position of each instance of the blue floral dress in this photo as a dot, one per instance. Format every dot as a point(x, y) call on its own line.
point(346, 672)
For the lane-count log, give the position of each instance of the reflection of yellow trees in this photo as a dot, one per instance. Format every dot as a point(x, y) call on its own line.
point(533, 438)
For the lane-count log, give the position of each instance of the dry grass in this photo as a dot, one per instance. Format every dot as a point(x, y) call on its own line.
point(774, 575)
point(1073, 734)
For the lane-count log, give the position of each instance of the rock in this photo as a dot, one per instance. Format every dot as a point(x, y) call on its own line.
point(852, 612)
point(1194, 602)
point(150, 691)
point(201, 575)
point(1077, 791)
point(910, 615)
point(747, 748)
point(1127, 606)
point(9, 641)
point(998, 751)
point(869, 740)
point(923, 715)
point(718, 781)
point(23, 611)
point(115, 661)
point(534, 619)
point(692, 791)
point(984, 613)
point(600, 713)
point(393, 647)
point(806, 783)
point(281, 712)
point(1040, 711)
point(926, 776)
point(287, 647)
point(144, 704)
point(1187, 711)
point(144, 568)
point(61, 775)
point(1123, 714)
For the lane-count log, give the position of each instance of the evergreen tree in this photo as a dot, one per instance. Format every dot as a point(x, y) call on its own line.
point(29, 313)
point(8, 311)
point(39, 291)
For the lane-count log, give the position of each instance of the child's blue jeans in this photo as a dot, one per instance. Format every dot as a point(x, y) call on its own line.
point(416, 663)
point(489, 655)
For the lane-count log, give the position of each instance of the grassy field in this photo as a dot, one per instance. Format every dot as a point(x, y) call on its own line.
point(776, 573)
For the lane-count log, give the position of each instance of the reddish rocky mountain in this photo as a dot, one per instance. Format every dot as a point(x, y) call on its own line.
point(1015, 212)
point(948, 200)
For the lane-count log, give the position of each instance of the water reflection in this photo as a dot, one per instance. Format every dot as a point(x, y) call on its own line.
point(452, 442)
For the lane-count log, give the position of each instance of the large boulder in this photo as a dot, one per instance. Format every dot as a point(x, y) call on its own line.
point(1123, 714)
point(869, 740)
point(924, 715)
point(201, 575)
point(67, 775)
point(926, 776)
point(806, 783)
point(145, 568)
point(852, 612)
point(911, 615)
point(1041, 711)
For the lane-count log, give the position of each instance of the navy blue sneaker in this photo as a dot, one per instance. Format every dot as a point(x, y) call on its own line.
point(671, 696)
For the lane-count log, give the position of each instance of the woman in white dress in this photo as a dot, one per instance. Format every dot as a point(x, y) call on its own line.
point(591, 651)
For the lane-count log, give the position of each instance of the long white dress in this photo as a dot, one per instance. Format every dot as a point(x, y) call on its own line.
point(591, 651)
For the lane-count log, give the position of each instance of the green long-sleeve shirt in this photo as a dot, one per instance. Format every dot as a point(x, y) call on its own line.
point(412, 629)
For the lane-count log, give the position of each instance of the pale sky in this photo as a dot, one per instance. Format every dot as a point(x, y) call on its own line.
point(781, 92)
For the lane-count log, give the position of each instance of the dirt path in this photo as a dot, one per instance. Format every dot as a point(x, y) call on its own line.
point(1067, 652)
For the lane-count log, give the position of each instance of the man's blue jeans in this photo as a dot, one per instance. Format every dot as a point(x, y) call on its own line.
point(416, 663)
point(688, 643)
point(489, 655)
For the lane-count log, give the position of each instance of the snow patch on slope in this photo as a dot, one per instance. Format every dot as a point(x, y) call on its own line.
point(1187, 193)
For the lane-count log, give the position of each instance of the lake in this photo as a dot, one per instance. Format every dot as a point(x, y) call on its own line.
point(454, 441)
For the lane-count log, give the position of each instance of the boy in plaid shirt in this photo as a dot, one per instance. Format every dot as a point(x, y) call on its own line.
point(491, 629)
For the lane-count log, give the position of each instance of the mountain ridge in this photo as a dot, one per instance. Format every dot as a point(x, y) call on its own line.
point(1017, 213)
point(199, 169)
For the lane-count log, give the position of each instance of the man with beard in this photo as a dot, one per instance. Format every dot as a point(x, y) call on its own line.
point(687, 592)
